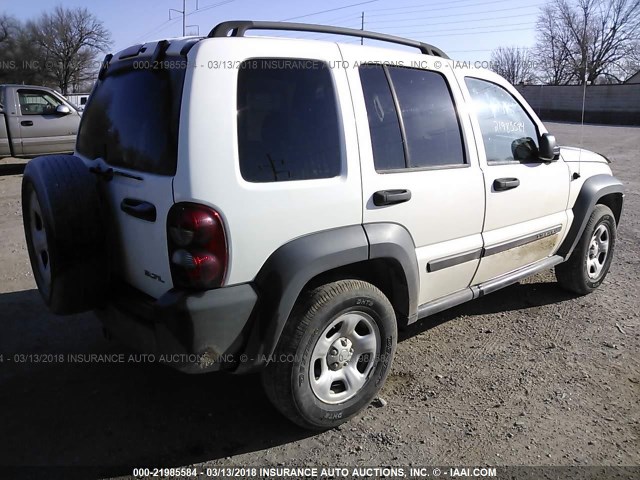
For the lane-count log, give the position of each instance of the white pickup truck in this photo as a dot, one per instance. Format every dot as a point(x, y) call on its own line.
point(35, 121)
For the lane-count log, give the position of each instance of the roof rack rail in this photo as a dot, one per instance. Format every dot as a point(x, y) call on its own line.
point(237, 28)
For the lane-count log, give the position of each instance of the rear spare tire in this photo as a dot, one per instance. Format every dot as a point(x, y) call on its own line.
point(65, 233)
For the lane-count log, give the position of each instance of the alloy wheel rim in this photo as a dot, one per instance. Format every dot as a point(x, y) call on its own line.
point(598, 251)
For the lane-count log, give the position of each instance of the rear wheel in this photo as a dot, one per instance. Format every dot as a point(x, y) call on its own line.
point(334, 354)
point(590, 261)
point(65, 233)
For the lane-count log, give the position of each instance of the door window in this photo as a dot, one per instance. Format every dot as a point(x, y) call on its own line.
point(34, 102)
point(384, 127)
point(433, 134)
point(426, 133)
point(508, 132)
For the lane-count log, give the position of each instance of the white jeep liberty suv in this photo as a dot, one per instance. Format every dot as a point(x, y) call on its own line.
point(251, 203)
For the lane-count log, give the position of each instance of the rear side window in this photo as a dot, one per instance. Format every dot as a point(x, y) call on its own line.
point(384, 127)
point(288, 122)
point(432, 130)
point(132, 118)
point(427, 131)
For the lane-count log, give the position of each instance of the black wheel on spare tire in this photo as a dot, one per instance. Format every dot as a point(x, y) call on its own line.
point(65, 233)
point(589, 262)
point(334, 354)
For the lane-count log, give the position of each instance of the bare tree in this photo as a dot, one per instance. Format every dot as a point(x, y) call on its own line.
point(552, 52)
point(514, 64)
point(69, 41)
point(7, 27)
point(9, 31)
point(585, 39)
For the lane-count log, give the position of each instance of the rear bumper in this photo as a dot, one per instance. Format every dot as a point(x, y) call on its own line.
point(192, 332)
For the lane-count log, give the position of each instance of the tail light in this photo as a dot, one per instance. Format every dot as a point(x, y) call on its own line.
point(197, 246)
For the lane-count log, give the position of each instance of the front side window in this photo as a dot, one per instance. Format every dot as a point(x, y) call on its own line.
point(35, 102)
point(288, 122)
point(508, 132)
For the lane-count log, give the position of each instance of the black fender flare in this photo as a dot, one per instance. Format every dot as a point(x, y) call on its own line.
point(393, 241)
point(290, 268)
point(593, 189)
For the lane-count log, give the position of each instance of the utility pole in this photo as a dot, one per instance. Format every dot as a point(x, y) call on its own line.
point(182, 12)
point(362, 28)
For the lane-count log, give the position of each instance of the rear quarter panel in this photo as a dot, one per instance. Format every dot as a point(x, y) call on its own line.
point(258, 217)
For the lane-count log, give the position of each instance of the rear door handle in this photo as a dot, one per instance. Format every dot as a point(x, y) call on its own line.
point(139, 209)
point(26, 123)
point(502, 184)
point(391, 197)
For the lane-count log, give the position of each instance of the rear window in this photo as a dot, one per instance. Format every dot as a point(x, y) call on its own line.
point(288, 123)
point(132, 118)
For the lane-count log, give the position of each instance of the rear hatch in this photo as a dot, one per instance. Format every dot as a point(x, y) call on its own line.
point(129, 137)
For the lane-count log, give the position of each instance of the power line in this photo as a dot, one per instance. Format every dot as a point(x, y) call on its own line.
point(450, 23)
point(457, 14)
point(209, 7)
point(468, 28)
point(435, 9)
point(422, 5)
point(342, 18)
point(327, 11)
point(423, 32)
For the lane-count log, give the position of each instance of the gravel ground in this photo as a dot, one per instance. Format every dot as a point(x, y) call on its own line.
point(526, 376)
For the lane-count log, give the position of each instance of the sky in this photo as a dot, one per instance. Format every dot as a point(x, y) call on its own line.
point(467, 30)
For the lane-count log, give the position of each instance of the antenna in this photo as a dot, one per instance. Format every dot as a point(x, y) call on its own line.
point(584, 98)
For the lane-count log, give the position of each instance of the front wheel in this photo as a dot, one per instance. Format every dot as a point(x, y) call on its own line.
point(334, 354)
point(590, 261)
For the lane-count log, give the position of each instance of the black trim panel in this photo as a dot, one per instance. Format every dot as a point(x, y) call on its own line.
point(453, 260)
point(457, 259)
point(392, 241)
point(481, 289)
point(593, 189)
point(294, 264)
point(518, 242)
point(287, 271)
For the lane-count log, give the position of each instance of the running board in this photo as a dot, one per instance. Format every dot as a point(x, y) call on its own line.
point(513, 277)
point(489, 286)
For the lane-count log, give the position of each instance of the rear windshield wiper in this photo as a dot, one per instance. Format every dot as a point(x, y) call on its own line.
point(109, 173)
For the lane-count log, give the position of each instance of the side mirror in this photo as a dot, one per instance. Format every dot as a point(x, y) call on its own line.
point(1, 109)
point(63, 110)
point(548, 150)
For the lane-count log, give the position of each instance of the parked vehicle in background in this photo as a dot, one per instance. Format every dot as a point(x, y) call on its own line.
point(79, 100)
point(36, 121)
point(288, 214)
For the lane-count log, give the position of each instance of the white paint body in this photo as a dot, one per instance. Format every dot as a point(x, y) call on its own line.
point(452, 210)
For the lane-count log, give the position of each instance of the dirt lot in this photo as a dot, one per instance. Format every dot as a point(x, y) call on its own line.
point(526, 376)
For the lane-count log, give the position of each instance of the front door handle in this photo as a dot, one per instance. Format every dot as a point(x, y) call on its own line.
point(391, 197)
point(26, 123)
point(139, 209)
point(502, 184)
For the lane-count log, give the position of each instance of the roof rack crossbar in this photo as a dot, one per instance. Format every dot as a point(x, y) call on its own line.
point(237, 28)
